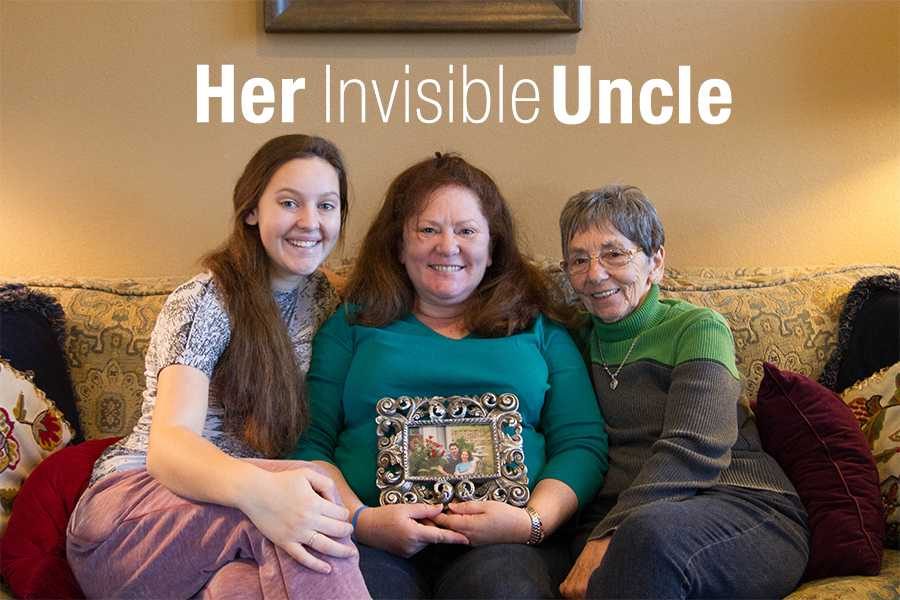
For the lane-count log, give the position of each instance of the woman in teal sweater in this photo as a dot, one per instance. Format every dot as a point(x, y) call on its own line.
point(441, 304)
point(691, 506)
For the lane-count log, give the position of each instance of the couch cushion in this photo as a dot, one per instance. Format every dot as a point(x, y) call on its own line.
point(876, 403)
point(867, 332)
point(34, 547)
point(817, 441)
point(33, 336)
point(882, 586)
point(108, 326)
point(31, 428)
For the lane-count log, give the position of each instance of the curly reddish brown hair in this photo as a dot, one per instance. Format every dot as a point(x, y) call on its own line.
point(510, 295)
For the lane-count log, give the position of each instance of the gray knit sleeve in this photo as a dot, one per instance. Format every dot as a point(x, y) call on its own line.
point(699, 429)
point(192, 329)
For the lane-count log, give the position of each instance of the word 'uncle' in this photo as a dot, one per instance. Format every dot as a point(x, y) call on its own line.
point(471, 100)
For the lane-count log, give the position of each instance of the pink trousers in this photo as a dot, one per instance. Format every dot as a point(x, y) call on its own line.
point(130, 537)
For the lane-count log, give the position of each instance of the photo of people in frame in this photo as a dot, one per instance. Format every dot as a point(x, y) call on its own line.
point(451, 451)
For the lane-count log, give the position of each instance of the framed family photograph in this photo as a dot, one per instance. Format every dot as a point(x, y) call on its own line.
point(454, 451)
point(439, 449)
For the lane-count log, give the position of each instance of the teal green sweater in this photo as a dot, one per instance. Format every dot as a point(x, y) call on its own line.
point(354, 366)
point(674, 422)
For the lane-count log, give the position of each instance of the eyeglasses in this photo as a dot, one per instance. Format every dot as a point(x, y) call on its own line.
point(610, 259)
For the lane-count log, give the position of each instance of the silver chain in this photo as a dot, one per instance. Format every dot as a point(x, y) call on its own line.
point(613, 377)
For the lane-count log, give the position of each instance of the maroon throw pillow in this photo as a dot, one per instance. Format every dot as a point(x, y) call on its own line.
point(33, 549)
point(817, 441)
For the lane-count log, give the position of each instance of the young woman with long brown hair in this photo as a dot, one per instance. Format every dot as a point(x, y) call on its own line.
point(188, 503)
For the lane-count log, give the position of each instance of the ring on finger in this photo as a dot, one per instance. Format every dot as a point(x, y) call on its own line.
point(312, 536)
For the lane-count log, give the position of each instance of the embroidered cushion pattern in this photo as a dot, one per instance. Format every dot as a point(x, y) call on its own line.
point(875, 402)
point(31, 428)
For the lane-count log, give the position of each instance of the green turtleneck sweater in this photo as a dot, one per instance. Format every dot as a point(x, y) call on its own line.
point(674, 422)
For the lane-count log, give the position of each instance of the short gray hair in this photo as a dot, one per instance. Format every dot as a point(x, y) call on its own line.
point(625, 207)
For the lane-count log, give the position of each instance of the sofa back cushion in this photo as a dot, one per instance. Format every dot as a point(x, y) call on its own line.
point(108, 326)
point(784, 316)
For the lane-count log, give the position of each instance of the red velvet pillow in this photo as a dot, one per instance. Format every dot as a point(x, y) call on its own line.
point(33, 550)
point(817, 441)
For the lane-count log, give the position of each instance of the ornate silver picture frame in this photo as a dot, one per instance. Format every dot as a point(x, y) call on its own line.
point(439, 449)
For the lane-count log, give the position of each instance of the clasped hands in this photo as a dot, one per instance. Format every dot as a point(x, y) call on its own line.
point(299, 510)
point(405, 529)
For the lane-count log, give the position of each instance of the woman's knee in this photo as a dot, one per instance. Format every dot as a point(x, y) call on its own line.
point(643, 558)
point(647, 530)
point(693, 546)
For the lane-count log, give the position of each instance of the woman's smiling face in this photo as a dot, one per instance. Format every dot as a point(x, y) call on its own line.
point(611, 294)
point(446, 248)
point(299, 218)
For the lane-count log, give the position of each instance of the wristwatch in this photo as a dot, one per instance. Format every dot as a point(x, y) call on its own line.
point(537, 527)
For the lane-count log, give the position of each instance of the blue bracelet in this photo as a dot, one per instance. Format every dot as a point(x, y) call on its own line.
point(356, 518)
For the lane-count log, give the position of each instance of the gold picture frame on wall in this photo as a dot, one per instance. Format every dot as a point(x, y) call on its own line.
point(422, 16)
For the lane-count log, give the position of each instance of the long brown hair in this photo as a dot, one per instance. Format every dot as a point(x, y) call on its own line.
point(510, 295)
point(257, 379)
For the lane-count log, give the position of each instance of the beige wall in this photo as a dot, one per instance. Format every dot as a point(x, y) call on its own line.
point(104, 172)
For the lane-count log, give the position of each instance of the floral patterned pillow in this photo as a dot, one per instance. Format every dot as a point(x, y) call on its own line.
point(876, 403)
point(31, 428)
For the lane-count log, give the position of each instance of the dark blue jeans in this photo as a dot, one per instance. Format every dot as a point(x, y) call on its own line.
point(450, 571)
point(726, 542)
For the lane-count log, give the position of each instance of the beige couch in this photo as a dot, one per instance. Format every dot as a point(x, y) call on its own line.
point(784, 316)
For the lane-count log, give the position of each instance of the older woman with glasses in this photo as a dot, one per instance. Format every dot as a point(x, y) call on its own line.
point(691, 506)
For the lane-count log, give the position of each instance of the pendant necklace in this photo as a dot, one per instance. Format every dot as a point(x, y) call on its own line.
point(613, 377)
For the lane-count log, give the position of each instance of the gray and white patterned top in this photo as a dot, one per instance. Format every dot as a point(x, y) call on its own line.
point(193, 329)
